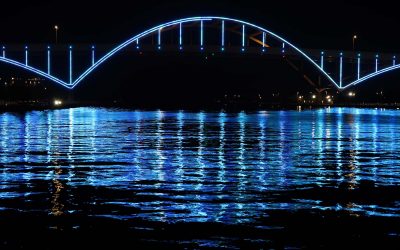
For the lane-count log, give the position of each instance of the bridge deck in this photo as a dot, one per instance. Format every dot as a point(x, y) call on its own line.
point(104, 48)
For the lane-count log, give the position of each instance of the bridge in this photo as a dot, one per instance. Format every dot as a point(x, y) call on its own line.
point(211, 35)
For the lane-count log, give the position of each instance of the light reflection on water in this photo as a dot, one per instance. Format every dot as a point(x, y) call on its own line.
point(196, 167)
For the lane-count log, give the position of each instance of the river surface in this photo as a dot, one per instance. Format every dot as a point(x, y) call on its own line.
point(312, 178)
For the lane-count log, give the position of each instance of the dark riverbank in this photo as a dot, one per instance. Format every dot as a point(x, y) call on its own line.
point(278, 230)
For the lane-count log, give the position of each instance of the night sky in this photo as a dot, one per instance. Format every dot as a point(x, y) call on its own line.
point(313, 24)
point(308, 24)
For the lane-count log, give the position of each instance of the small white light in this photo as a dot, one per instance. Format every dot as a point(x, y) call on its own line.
point(352, 94)
point(57, 102)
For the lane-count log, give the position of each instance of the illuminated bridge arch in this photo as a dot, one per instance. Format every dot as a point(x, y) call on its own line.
point(372, 75)
point(157, 29)
point(35, 70)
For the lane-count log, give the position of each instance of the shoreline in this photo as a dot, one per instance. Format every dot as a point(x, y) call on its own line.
point(41, 106)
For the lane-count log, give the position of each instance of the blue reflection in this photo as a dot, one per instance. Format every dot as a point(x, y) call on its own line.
point(197, 166)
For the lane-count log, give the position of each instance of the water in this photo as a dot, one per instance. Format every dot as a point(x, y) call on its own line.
point(263, 179)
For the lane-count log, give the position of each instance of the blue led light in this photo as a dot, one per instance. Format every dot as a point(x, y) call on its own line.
point(283, 47)
point(243, 36)
point(376, 63)
point(4, 51)
point(26, 55)
point(372, 75)
point(93, 55)
point(48, 60)
point(263, 40)
point(223, 35)
point(341, 70)
point(70, 65)
point(358, 66)
point(180, 36)
point(201, 34)
point(36, 71)
point(322, 60)
point(137, 44)
point(159, 38)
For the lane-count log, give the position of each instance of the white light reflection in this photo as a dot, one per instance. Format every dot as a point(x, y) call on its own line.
point(179, 154)
point(242, 173)
point(138, 142)
point(357, 136)
point(221, 150)
point(339, 151)
point(160, 162)
point(159, 146)
point(4, 134)
point(49, 144)
point(262, 148)
point(27, 173)
point(71, 146)
point(27, 137)
point(221, 165)
point(93, 146)
point(198, 207)
point(284, 148)
point(375, 149)
point(262, 171)
point(93, 136)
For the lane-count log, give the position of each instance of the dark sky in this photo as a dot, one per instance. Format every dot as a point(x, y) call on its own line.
point(318, 25)
point(309, 24)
